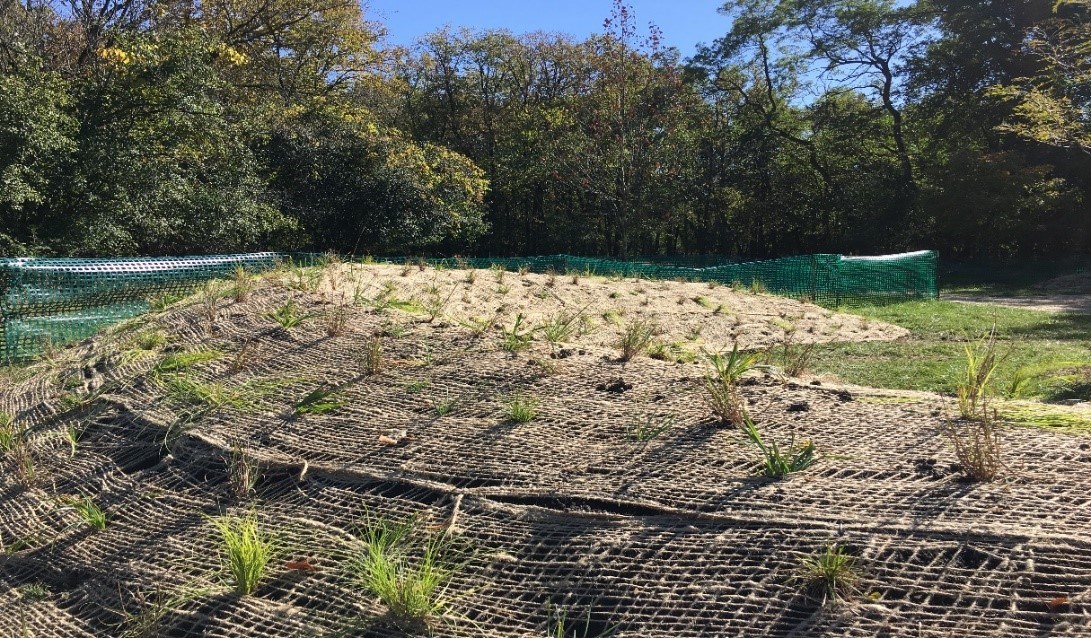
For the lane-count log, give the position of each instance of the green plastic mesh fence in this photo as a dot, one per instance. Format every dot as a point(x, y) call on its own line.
point(53, 301)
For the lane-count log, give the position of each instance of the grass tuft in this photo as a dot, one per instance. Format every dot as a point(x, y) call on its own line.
point(636, 338)
point(832, 572)
point(521, 408)
point(247, 550)
point(778, 463)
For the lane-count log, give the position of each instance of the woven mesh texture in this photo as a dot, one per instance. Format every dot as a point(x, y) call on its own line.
point(676, 536)
point(56, 301)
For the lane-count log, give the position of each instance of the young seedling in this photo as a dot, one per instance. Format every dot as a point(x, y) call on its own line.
point(287, 315)
point(177, 362)
point(447, 404)
point(516, 338)
point(636, 338)
point(247, 549)
point(647, 428)
point(337, 319)
point(521, 408)
point(89, 512)
point(561, 326)
point(370, 358)
point(561, 627)
point(242, 284)
point(832, 572)
point(10, 433)
point(243, 471)
point(777, 463)
point(406, 571)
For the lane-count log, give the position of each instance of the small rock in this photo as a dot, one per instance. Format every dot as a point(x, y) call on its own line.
point(617, 386)
point(799, 406)
point(844, 395)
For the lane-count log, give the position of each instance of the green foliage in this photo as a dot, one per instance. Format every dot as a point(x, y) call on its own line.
point(517, 338)
point(521, 408)
point(406, 570)
point(637, 338)
point(182, 361)
point(647, 428)
point(287, 315)
point(247, 549)
point(832, 572)
point(319, 401)
point(778, 463)
point(90, 513)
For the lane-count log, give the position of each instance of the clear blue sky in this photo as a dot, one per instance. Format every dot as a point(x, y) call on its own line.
point(684, 22)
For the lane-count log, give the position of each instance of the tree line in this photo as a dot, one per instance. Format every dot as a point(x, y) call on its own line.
point(858, 126)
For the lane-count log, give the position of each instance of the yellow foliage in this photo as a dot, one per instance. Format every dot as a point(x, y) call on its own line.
point(114, 55)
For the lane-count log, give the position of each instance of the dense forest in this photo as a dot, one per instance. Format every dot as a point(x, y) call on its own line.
point(860, 126)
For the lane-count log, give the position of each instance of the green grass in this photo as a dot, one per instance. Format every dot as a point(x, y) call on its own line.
point(521, 408)
point(181, 361)
point(779, 462)
point(90, 513)
point(832, 573)
point(247, 550)
point(408, 573)
point(1043, 356)
point(319, 401)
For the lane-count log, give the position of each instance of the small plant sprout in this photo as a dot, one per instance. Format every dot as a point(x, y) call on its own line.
point(561, 626)
point(794, 357)
point(406, 570)
point(447, 404)
point(210, 300)
point(647, 428)
point(777, 463)
point(243, 471)
point(471, 276)
point(89, 512)
point(517, 338)
point(242, 284)
point(370, 359)
point(247, 550)
point(320, 401)
point(561, 326)
point(521, 408)
point(287, 315)
point(10, 433)
point(337, 319)
point(499, 272)
point(177, 362)
point(832, 573)
point(636, 338)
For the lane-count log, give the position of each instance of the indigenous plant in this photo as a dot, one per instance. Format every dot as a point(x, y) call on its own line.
point(551, 277)
point(210, 301)
point(832, 572)
point(636, 338)
point(521, 408)
point(498, 272)
point(182, 361)
point(412, 587)
point(978, 446)
point(337, 319)
point(794, 357)
point(972, 389)
point(778, 463)
point(647, 428)
point(242, 284)
point(447, 404)
point(471, 276)
point(91, 513)
point(370, 358)
point(10, 434)
point(560, 627)
point(287, 315)
point(561, 326)
point(243, 471)
point(247, 549)
point(515, 338)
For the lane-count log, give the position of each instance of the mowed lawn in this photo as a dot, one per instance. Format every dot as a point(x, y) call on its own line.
point(1043, 356)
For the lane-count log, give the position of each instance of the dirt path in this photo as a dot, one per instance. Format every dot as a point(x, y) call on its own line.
point(1079, 304)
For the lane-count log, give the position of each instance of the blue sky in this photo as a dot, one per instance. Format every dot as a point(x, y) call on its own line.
point(684, 22)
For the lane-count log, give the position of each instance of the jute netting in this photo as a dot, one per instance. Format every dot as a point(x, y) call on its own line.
point(675, 536)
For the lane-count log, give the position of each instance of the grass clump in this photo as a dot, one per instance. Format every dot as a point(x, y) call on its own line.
point(647, 428)
point(517, 338)
point(721, 385)
point(183, 361)
point(408, 573)
point(243, 471)
point(287, 315)
point(978, 446)
point(560, 626)
point(832, 573)
point(636, 338)
point(778, 463)
point(521, 408)
point(89, 512)
point(247, 550)
point(561, 326)
point(10, 433)
point(370, 359)
point(242, 284)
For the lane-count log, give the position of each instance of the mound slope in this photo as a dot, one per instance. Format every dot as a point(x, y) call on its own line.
point(675, 536)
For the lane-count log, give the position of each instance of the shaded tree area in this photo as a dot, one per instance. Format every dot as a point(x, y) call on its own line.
point(857, 126)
